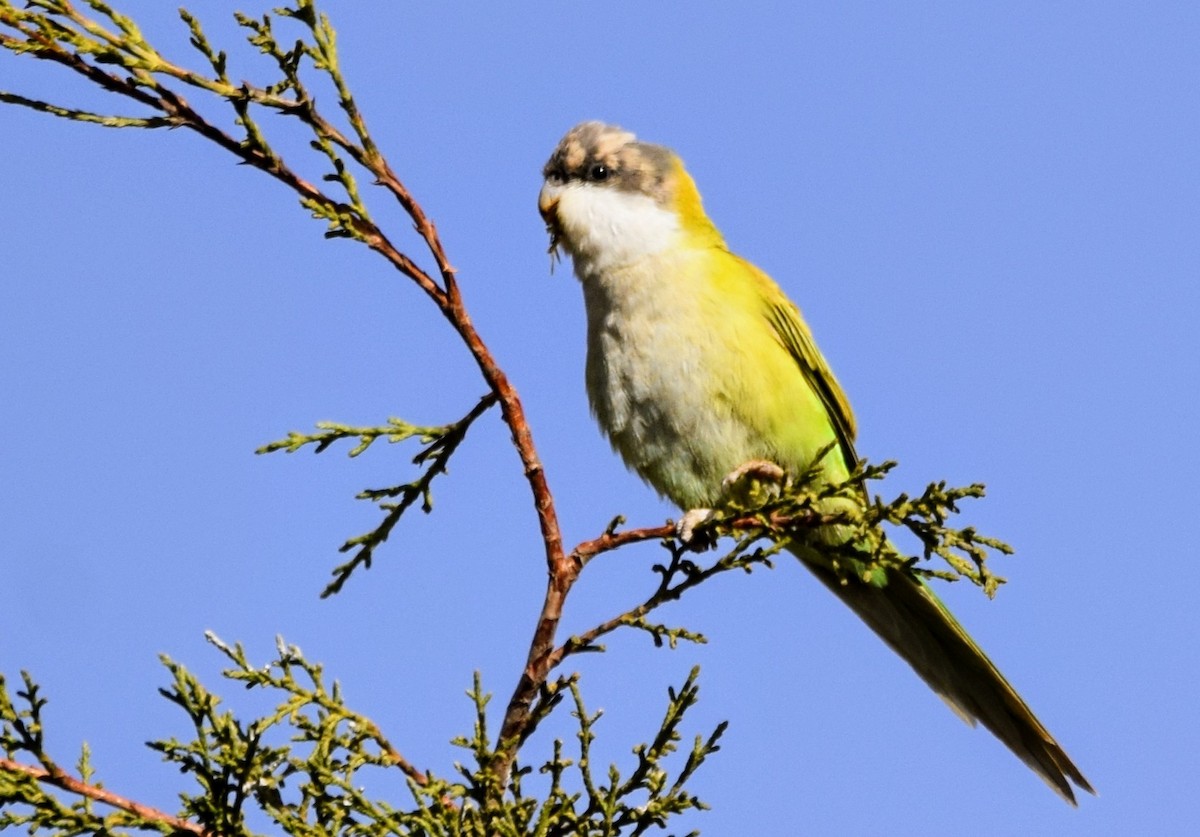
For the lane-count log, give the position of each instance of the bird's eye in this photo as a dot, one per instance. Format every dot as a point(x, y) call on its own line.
point(599, 172)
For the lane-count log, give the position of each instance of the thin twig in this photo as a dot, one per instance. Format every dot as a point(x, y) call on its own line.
point(60, 779)
point(406, 766)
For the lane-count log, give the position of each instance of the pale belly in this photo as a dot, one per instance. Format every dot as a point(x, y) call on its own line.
point(662, 398)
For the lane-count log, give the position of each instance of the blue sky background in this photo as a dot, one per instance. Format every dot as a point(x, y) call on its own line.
point(988, 214)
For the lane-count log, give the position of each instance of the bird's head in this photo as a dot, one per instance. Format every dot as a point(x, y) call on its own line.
point(610, 200)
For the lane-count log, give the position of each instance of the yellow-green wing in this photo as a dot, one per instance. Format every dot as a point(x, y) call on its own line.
point(795, 336)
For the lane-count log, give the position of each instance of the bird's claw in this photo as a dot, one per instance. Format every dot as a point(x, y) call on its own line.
point(747, 482)
point(686, 526)
point(754, 483)
point(761, 470)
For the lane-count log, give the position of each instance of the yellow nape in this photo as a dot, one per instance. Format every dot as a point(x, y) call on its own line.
point(690, 208)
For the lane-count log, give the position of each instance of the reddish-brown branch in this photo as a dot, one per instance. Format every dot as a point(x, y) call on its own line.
point(399, 760)
point(588, 550)
point(407, 767)
point(65, 781)
point(544, 657)
point(561, 570)
point(450, 302)
point(369, 158)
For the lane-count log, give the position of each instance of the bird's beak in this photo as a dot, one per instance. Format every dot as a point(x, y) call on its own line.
point(548, 208)
point(548, 201)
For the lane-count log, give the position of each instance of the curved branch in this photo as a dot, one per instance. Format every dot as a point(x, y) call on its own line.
point(144, 86)
point(146, 90)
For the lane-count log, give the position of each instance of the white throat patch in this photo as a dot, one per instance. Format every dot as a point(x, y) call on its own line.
point(606, 228)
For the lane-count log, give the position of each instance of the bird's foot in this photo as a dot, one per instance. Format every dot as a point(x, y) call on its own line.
point(755, 482)
point(750, 484)
point(762, 470)
point(686, 526)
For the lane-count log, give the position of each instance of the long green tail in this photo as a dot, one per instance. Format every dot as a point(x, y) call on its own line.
point(906, 615)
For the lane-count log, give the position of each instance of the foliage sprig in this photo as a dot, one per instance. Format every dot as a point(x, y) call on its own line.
point(312, 780)
point(439, 444)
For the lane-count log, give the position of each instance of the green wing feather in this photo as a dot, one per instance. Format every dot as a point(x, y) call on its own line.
point(793, 333)
point(907, 615)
